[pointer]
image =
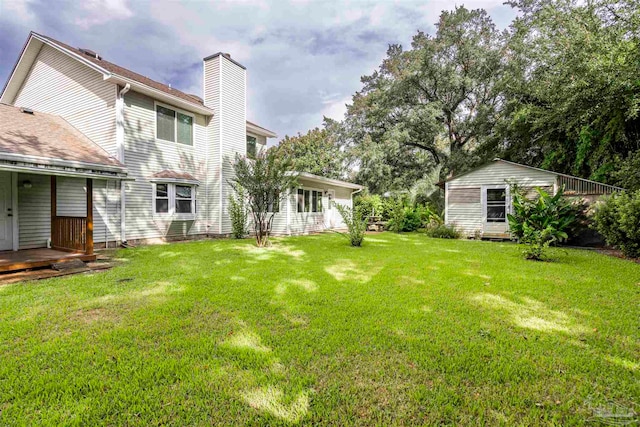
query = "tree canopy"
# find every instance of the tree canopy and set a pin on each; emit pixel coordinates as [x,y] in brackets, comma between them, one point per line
[558,89]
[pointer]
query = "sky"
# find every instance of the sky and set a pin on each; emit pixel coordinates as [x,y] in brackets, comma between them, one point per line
[304,58]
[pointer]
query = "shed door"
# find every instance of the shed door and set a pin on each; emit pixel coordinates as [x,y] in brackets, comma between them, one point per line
[6,214]
[495,206]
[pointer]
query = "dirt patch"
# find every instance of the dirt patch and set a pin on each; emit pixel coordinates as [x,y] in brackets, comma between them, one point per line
[93,315]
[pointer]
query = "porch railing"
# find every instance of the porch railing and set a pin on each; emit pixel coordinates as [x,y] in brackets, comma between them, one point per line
[69,233]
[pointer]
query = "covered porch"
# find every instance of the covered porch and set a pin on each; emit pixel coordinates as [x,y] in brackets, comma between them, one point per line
[47,174]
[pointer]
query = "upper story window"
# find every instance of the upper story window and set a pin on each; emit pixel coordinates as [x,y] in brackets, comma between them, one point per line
[174,126]
[252,148]
[309,200]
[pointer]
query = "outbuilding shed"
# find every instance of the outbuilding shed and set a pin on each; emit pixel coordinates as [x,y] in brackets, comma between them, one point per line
[477,202]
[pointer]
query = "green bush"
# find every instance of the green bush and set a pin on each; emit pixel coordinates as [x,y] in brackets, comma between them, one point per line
[370,205]
[239,214]
[617,218]
[540,222]
[356,224]
[442,231]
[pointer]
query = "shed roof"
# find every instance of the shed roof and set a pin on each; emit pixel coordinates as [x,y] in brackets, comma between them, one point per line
[558,174]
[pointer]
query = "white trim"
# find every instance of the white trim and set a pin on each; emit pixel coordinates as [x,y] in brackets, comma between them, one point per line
[61,172]
[175,121]
[446,203]
[14,210]
[288,217]
[335,182]
[178,181]
[258,130]
[320,190]
[171,201]
[12,157]
[15,69]
[220,143]
[158,94]
[483,199]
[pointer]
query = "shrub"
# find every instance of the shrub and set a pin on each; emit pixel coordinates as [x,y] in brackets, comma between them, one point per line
[396,216]
[442,231]
[356,224]
[370,205]
[617,218]
[238,213]
[540,222]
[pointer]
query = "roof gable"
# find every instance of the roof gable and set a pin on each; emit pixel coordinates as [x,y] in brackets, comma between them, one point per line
[110,71]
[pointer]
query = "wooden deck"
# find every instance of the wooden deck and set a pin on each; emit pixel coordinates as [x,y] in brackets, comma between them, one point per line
[37,258]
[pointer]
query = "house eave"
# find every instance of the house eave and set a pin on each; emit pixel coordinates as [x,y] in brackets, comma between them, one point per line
[40,169]
[159,95]
[335,182]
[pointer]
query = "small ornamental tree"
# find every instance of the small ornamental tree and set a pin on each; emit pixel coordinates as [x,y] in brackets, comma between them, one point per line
[538,223]
[356,224]
[239,213]
[266,180]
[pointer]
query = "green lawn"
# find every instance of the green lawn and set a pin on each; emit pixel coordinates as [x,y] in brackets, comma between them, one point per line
[405,330]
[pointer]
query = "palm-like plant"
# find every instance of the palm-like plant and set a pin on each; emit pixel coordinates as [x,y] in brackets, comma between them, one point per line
[541,222]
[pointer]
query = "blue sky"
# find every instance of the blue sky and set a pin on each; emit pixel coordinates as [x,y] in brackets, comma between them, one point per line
[304,59]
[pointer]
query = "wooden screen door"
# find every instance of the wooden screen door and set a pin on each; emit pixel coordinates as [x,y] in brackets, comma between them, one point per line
[6,212]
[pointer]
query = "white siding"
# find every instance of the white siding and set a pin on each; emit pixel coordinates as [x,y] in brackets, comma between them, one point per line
[234,128]
[144,156]
[58,84]
[34,211]
[106,211]
[212,99]
[467,216]
[71,196]
[309,222]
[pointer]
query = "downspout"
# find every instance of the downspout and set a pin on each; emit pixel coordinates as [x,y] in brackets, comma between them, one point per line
[354,192]
[120,156]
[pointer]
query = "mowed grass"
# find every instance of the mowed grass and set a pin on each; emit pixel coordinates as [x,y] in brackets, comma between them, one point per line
[405,330]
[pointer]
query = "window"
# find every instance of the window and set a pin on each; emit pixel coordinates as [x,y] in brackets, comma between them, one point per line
[178,199]
[184,199]
[309,200]
[274,203]
[251,146]
[174,126]
[162,198]
[300,200]
[496,205]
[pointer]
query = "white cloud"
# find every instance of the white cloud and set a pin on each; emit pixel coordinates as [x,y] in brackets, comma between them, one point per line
[98,12]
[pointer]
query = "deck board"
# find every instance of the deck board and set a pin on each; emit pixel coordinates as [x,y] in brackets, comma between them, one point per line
[36,258]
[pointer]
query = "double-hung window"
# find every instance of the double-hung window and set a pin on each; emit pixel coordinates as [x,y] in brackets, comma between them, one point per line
[175,199]
[496,204]
[309,200]
[252,148]
[173,125]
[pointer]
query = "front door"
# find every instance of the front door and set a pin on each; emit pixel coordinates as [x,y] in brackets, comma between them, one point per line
[495,206]
[6,213]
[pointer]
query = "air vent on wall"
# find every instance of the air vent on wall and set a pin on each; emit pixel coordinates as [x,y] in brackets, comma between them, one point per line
[26,110]
[90,53]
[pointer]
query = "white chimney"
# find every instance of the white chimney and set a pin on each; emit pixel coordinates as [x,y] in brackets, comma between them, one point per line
[225,93]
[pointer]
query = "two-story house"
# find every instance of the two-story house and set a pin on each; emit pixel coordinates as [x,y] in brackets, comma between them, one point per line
[92,153]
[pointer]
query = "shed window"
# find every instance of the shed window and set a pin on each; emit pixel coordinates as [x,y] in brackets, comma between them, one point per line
[496,205]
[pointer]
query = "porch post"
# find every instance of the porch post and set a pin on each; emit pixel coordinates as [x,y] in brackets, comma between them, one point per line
[54,197]
[89,246]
